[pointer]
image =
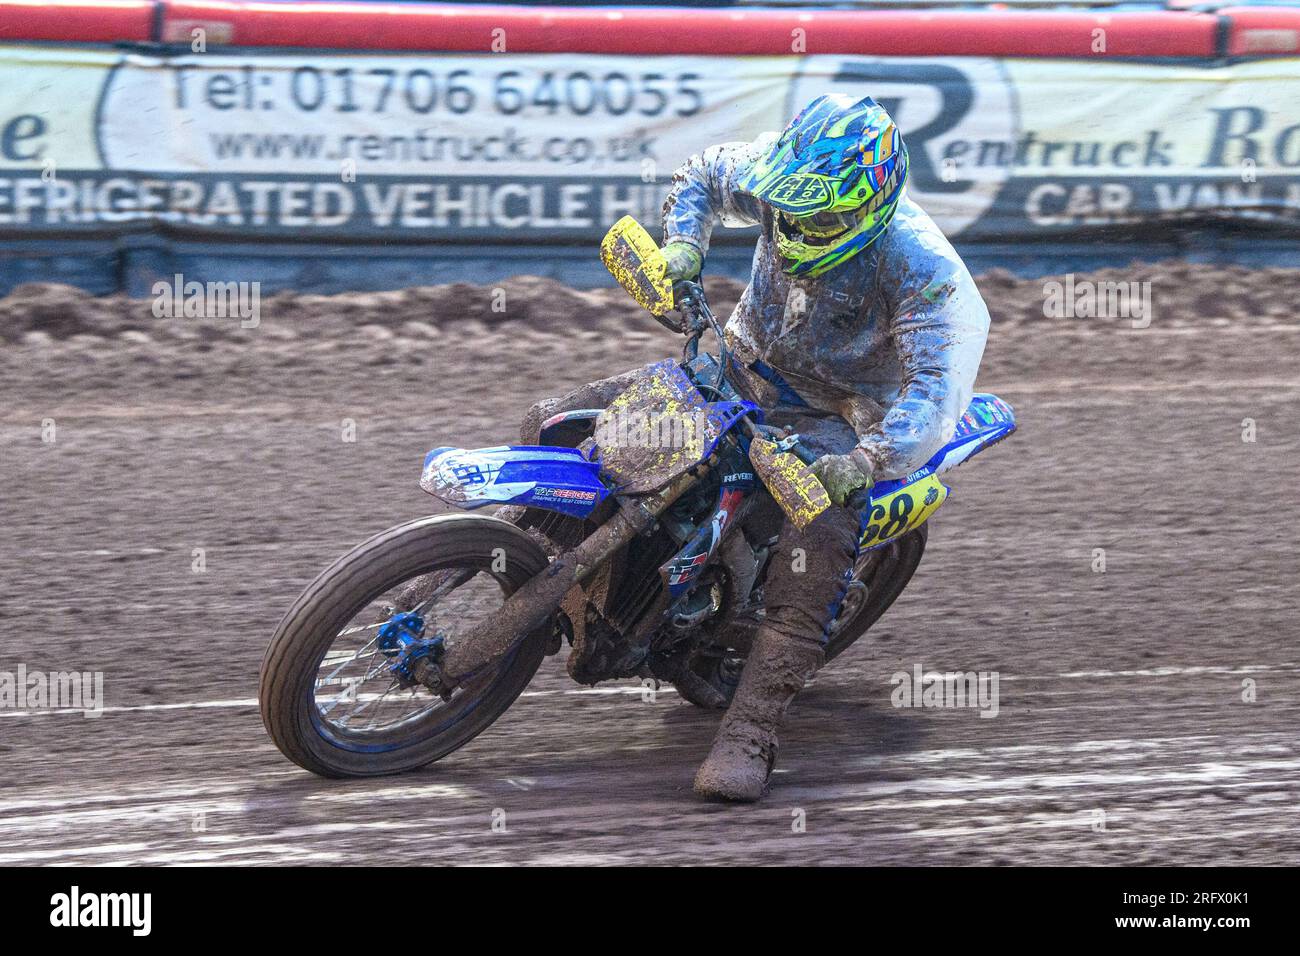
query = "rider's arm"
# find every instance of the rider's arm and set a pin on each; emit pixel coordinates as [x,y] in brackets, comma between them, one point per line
[703,191]
[940,324]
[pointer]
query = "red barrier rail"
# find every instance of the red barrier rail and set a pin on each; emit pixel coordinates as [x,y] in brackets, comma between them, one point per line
[1236,31]
[649,31]
[76,21]
[1263,31]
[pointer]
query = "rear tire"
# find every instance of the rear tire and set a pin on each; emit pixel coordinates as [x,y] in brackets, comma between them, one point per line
[885,582]
[291,665]
[893,568]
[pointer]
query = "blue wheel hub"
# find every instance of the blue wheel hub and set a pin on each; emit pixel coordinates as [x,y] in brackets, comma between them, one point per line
[402,638]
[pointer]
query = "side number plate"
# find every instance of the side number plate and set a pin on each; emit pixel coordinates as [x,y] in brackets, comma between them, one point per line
[893,515]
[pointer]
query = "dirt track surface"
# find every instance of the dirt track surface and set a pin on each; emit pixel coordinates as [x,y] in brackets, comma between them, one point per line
[1122,735]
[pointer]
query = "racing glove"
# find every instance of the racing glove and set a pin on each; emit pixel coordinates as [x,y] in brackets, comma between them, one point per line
[684,260]
[841,475]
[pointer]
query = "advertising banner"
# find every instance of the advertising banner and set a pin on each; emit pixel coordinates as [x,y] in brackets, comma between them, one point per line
[535,147]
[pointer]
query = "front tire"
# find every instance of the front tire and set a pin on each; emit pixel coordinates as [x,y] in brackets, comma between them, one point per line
[291,684]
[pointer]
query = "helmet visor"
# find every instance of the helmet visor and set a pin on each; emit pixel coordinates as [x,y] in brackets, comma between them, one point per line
[822,225]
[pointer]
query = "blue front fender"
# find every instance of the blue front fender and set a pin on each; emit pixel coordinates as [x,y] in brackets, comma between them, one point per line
[558,479]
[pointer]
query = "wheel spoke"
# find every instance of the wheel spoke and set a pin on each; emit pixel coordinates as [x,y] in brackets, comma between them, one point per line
[380,700]
[345,676]
[454,580]
[350,660]
[361,627]
[359,683]
[365,701]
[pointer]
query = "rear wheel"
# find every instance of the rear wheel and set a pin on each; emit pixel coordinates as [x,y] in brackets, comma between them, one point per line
[878,580]
[330,697]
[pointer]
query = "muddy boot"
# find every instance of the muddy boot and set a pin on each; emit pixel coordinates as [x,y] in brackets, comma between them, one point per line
[744,749]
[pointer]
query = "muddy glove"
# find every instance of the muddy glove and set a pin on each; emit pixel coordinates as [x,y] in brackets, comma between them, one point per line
[684,260]
[841,475]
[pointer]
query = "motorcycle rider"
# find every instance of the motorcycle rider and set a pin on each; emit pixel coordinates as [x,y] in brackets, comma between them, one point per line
[861,329]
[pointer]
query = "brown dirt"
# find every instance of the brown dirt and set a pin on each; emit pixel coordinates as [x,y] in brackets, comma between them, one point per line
[1122,734]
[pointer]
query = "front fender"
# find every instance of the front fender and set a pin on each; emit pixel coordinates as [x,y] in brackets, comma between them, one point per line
[541,476]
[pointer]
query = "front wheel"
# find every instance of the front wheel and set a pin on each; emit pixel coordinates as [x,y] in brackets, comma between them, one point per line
[334,696]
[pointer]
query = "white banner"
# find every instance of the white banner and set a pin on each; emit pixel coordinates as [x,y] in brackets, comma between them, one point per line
[456,147]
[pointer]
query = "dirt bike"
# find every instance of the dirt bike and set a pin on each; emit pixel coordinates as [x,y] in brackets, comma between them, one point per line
[639,534]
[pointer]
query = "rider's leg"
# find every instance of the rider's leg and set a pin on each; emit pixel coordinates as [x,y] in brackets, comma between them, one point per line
[806,581]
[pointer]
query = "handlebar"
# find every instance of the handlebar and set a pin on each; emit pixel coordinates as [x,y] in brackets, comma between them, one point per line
[689,300]
[857,500]
[801,451]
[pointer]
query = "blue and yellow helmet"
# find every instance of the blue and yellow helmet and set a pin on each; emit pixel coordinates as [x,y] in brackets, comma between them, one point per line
[834,177]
